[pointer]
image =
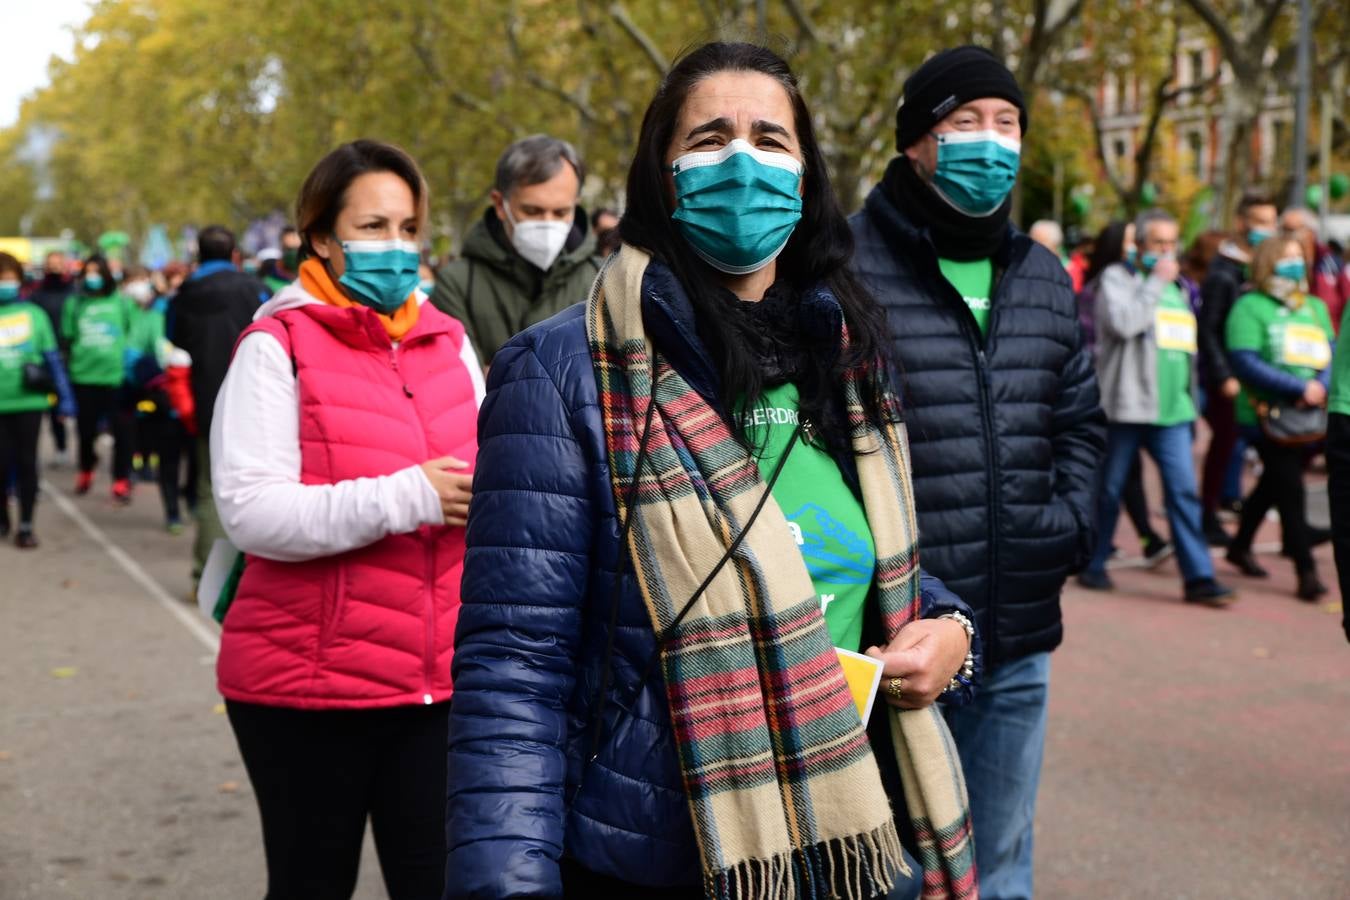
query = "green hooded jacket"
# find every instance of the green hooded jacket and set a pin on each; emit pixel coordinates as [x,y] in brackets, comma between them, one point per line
[496,293]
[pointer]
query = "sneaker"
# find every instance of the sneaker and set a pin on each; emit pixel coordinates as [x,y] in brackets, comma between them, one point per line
[1215,535]
[1095,581]
[173,527]
[83,482]
[1156,550]
[1208,592]
[121,491]
[1246,563]
[24,539]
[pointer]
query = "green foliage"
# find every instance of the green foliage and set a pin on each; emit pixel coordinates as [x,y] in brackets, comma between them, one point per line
[171,111]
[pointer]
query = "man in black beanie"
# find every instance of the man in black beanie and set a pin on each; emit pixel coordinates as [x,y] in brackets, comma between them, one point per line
[1003,415]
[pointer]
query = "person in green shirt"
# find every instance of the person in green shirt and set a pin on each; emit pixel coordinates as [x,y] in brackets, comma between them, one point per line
[97,326]
[1280,342]
[1338,469]
[1146,347]
[30,371]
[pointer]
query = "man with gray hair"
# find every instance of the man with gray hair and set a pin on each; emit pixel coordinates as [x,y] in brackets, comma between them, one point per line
[1146,348]
[531,255]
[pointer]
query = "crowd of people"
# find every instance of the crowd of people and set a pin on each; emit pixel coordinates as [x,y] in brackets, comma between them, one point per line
[552,555]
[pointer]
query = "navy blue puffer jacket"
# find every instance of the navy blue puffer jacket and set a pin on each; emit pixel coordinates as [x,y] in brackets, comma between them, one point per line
[543,544]
[1006,430]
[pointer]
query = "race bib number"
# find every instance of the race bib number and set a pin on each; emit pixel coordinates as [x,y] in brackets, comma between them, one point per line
[1175,330]
[1306,346]
[15,330]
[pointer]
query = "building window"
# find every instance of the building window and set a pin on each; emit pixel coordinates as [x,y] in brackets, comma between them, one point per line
[1122,98]
[1195,142]
[1120,150]
[1197,66]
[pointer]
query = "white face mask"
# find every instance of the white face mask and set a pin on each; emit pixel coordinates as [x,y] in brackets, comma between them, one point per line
[539,242]
[140,291]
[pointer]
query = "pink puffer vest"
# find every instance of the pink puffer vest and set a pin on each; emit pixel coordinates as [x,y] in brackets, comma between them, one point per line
[373,627]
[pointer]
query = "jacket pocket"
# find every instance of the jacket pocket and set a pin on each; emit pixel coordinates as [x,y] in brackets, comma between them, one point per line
[333,604]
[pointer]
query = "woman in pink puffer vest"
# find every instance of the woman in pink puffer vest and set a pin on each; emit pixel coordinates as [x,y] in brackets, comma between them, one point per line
[341,447]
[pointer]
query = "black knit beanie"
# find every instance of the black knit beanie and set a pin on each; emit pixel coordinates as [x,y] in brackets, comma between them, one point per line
[946,81]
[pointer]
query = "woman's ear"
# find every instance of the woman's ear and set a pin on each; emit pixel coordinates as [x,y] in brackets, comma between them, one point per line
[322,247]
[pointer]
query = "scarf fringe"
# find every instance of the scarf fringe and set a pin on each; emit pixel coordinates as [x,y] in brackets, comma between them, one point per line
[857,867]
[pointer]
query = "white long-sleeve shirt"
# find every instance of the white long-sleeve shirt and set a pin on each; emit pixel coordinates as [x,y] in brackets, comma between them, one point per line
[256,465]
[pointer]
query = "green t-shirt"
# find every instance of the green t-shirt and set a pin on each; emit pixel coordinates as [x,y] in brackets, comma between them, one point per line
[1340,373]
[98,329]
[1174,332]
[974,281]
[25,334]
[1293,341]
[827,520]
[147,332]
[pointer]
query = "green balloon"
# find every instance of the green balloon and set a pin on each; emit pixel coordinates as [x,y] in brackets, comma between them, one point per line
[1148,193]
[1340,185]
[1314,196]
[1082,205]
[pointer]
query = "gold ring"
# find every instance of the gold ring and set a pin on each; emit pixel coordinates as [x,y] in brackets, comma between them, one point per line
[895,687]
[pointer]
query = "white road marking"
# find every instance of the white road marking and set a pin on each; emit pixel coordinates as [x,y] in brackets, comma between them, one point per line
[209,635]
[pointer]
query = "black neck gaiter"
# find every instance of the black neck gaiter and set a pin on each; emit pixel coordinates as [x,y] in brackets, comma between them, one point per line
[955,235]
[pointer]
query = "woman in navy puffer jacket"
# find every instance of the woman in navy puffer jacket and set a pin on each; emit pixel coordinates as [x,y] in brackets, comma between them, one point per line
[541,803]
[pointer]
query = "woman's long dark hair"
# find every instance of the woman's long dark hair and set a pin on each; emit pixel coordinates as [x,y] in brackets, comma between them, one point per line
[108,284]
[1109,248]
[817,254]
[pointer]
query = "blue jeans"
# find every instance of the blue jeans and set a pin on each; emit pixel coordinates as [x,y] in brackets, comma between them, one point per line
[1170,448]
[1001,739]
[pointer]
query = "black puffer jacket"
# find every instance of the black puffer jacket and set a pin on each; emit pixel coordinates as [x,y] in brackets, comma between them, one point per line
[1006,431]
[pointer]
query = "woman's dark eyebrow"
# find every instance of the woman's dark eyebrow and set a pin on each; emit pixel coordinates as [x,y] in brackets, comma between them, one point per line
[722,123]
[763,126]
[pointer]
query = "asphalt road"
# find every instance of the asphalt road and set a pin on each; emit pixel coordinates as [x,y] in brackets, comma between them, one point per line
[1192,753]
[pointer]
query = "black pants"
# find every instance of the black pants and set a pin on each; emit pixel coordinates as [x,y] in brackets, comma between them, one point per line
[318,774]
[580,883]
[97,404]
[166,437]
[1281,486]
[19,454]
[58,431]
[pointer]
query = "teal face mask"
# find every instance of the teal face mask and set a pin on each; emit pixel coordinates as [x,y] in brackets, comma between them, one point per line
[426,287]
[976,170]
[1132,255]
[93,282]
[9,291]
[1257,235]
[1149,261]
[738,206]
[380,274]
[1293,269]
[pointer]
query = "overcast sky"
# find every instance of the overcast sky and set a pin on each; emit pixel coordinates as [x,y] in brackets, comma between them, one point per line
[33,31]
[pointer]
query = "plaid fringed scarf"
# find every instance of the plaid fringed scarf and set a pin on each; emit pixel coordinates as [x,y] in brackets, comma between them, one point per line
[786,797]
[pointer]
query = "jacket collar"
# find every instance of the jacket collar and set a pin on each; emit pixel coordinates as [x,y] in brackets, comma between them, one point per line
[359,327]
[907,237]
[207,269]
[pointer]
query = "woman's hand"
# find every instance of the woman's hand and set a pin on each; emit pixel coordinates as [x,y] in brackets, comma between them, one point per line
[1314,394]
[455,488]
[926,653]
